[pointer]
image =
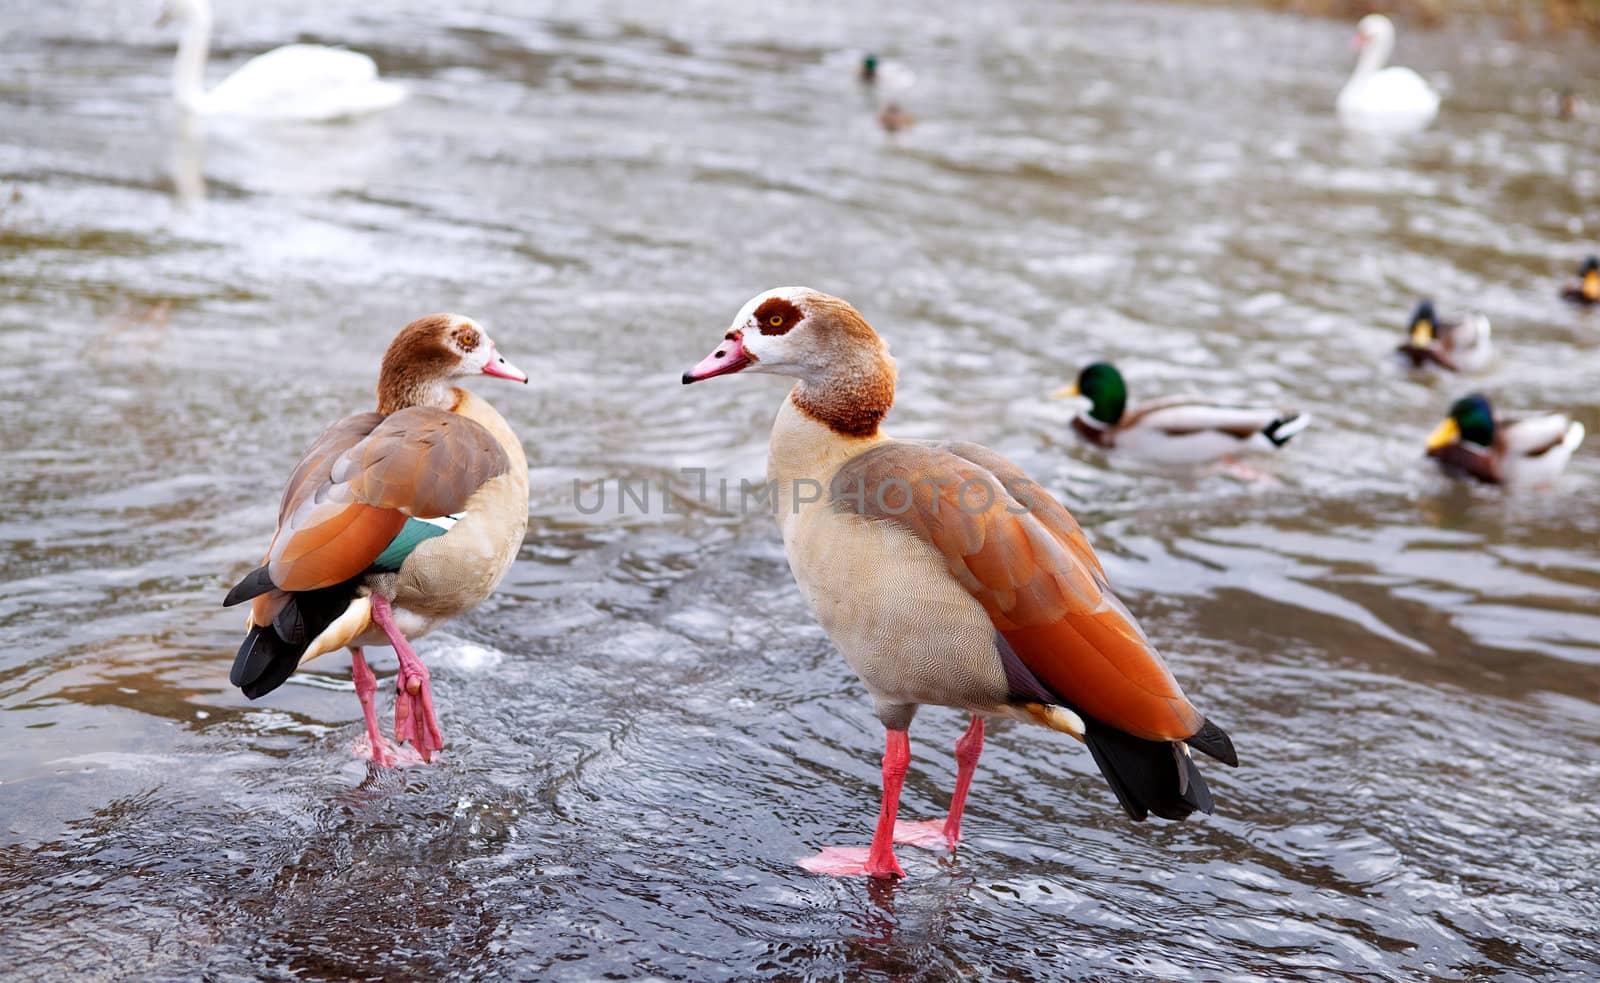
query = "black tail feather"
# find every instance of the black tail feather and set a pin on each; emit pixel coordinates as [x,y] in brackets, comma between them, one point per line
[254,584]
[1147,776]
[271,653]
[264,662]
[1283,429]
[1213,740]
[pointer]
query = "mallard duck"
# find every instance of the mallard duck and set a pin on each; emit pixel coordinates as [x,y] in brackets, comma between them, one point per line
[869,69]
[947,577]
[394,522]
[1459,344]
[1392,99]
[888,76]
[1528,450]
[1585,289]
[1176,430]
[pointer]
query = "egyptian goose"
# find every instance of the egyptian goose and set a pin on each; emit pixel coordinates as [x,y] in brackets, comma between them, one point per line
[1458,344]
[1585,289]
[947,577]
[1528,450]
[295,81]
[1376,98]
[394,522]
[1174,430]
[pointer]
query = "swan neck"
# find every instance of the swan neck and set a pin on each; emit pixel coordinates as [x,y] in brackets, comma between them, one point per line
[1374,55]
[188,72]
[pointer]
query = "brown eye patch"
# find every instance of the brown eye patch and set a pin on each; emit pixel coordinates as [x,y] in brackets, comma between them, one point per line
[776,316]
[467,339]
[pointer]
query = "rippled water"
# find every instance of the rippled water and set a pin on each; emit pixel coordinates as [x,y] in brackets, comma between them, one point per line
[645,726]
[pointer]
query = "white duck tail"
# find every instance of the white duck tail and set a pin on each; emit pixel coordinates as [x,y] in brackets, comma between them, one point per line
[1530,465]
[1280,431]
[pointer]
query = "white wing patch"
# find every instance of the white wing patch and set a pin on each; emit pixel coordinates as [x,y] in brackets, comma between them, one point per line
[445,522]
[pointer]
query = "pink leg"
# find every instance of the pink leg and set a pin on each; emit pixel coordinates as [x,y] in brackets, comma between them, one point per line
[366,688]
[414,720]
[1245,472]
[878,859]
[936,835]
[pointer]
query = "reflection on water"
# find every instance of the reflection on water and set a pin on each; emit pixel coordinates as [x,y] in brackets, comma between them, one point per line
[647,727]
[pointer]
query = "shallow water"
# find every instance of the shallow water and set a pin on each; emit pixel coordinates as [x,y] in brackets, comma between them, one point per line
[645,726]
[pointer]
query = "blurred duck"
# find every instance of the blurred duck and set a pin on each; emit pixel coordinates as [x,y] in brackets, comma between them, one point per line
[894,118]
[1569,105]
[1459,344]
[1391,99]
[947,577]
[886,75]
[296,81]
[1176,430]
[1585,289]
[394,522]
[1530,450]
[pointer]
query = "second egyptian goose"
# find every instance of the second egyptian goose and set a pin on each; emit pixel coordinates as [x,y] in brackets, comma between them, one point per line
[1176,429]
[947,577]
[394,522]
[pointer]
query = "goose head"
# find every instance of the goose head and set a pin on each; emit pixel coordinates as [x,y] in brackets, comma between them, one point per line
[797,332]
[432,351]
[844,371]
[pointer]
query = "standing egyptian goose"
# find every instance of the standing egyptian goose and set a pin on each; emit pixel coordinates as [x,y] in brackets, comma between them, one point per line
[1521,451]
[1457,344]
[394,522]
[947,577]
[1176,429]
[1585,289]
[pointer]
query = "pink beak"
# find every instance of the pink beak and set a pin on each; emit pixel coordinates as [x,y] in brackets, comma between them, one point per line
[1358,42]
[498,367]
[729,357]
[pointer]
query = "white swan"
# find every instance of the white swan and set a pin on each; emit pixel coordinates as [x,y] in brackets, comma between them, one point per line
[296,81]
[1377,98]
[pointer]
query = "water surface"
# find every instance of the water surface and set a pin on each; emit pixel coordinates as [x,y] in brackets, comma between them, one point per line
[645,726]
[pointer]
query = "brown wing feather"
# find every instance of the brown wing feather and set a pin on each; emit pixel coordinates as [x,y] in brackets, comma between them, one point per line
[425,462]
[1021,555]
[313,467]
[1143,410]
[353,491]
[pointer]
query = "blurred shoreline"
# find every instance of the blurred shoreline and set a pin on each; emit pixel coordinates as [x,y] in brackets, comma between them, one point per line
[1519,18]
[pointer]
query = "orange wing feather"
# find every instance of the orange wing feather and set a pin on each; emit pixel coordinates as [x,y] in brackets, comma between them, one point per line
[1021,555]
[353,491]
